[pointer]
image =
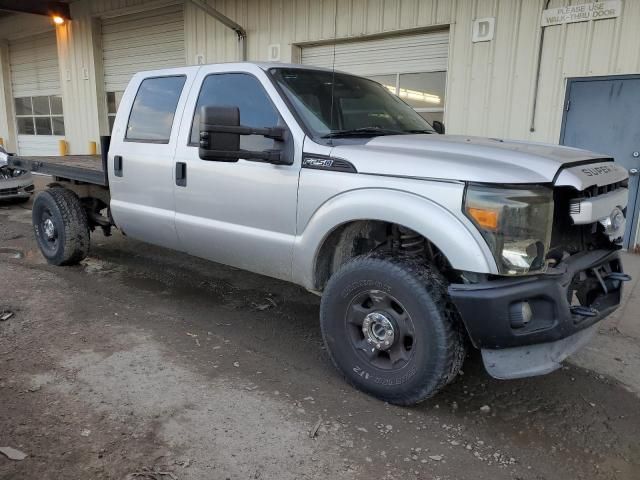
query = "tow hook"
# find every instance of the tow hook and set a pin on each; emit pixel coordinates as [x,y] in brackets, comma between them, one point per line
[615,276]
[584,311]
[619,276]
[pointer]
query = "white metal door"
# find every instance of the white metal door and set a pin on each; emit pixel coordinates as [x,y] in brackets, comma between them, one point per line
[148,40]
[412,66]
[35,83]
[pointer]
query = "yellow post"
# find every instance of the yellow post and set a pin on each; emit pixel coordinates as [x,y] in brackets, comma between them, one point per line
[63,147]
[93,148]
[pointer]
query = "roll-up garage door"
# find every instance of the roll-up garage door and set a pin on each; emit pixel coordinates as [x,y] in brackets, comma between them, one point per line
[35,83]
[147,40]
[413,66]
[142,41]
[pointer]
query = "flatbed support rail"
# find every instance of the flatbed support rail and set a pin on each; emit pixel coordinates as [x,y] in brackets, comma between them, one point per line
[82,168]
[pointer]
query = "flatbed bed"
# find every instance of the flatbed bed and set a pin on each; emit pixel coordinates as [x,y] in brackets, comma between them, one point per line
[80,168]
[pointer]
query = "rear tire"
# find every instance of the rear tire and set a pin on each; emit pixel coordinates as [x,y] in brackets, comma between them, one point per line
[60,226]
[391,329]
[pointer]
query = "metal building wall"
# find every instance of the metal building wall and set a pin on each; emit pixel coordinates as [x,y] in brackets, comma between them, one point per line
[490,89]
[287,22]
[12,29]
[490,84]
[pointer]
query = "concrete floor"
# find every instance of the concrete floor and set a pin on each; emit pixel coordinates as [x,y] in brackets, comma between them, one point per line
[615,351]
[142,362]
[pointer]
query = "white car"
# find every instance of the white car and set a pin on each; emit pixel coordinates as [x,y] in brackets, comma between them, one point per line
[15,184]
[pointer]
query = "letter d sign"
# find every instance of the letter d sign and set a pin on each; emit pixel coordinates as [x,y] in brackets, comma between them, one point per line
[483,29]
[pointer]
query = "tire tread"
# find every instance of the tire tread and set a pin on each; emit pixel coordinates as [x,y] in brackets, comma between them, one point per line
[453,346]
[76,226]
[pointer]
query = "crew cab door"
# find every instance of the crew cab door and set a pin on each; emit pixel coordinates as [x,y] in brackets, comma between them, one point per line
[240,213]
[140,163]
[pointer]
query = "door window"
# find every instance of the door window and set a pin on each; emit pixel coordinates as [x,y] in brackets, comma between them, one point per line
[153,109]
[245,92]
[40,115]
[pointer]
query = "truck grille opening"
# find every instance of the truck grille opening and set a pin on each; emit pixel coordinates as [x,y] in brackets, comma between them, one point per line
[568,238]
[8,191]
[596,190]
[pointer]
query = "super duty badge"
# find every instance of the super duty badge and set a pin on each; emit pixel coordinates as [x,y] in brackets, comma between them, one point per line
[592,172]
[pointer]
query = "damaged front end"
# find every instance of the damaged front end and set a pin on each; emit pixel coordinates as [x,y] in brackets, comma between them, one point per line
[526,325]
[14,183]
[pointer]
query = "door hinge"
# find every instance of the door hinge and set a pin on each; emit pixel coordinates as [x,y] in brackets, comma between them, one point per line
[567,106]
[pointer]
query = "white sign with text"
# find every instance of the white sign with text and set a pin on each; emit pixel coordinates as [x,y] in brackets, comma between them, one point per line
[582,13]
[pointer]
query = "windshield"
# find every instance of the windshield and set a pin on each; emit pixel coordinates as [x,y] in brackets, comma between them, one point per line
[360,107]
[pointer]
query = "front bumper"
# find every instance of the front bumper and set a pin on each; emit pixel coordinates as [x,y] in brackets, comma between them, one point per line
[491,311]
[532,360]
[17,187]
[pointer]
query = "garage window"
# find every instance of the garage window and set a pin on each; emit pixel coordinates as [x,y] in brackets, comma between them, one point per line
[423,91]
[113,102]
[40,115]
[412,65]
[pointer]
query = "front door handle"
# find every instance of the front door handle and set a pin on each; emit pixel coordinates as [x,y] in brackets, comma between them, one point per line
[117,165]
[181,174]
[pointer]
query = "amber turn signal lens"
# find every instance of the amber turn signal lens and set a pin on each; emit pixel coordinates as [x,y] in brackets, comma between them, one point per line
[485,218]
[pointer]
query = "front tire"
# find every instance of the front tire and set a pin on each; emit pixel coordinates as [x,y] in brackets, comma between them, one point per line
[60,226]
[390,328]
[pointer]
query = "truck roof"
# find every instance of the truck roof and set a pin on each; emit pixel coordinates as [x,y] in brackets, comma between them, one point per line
[230,65]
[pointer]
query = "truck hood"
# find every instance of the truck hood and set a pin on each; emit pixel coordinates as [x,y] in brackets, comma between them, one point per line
[456,157]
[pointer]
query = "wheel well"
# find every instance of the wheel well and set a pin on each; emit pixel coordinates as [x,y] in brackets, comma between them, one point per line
[363,236]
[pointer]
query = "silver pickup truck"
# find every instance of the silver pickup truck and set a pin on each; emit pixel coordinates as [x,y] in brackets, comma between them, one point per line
[420,244]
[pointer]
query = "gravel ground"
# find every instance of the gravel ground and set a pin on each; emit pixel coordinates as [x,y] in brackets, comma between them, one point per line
[146,363]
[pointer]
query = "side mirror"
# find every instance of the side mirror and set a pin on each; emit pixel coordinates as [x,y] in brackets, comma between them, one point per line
[220,132]
[438,127]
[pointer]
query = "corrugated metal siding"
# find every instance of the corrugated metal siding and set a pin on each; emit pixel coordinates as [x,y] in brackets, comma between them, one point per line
[80,61]
[119,7]
[142,41]
[424,52]
[34,65]
[490,90]
[38,144]
[288,22]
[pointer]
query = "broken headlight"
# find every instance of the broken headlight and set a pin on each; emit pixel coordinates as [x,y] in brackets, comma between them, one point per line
[515,222]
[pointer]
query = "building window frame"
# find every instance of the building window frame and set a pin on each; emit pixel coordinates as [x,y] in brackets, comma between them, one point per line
[397,90]
[113,102]
[55,115]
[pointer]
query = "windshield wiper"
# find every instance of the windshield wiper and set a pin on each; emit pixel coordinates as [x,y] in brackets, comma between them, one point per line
[363,132]
[420,131]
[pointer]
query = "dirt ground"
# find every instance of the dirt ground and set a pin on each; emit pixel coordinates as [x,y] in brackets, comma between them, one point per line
[146,363]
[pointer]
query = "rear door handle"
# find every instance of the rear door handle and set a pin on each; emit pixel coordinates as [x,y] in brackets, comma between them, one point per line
[117,165]
[181,174]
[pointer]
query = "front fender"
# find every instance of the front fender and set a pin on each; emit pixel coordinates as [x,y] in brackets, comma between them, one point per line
[458,240]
